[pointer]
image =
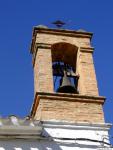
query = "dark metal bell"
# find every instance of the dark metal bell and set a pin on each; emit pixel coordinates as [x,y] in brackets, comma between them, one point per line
[66,86]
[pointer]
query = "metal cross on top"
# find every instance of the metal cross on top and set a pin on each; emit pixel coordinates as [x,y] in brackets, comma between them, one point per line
[59,23]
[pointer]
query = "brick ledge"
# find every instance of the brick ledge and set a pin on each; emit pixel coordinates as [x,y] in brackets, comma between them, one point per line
[65,97]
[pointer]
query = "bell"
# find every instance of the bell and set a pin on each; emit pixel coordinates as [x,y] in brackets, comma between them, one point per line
[65,85]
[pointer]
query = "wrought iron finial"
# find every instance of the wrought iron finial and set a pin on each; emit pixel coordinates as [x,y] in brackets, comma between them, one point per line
[59,23]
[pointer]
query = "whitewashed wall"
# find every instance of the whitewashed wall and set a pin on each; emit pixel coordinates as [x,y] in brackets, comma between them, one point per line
[56,136]
[45,145]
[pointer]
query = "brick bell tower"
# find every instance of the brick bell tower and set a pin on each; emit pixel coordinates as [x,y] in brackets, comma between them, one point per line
[66,98]
[51,48]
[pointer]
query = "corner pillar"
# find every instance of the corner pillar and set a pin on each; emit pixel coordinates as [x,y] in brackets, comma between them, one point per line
[43,79]
[87,80]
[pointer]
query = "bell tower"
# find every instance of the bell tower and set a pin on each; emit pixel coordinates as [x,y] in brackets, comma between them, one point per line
[65,85]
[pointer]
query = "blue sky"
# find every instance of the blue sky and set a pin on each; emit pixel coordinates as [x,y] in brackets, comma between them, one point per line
[17,19]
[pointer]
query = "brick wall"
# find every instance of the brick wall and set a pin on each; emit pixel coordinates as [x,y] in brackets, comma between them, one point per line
[67,108]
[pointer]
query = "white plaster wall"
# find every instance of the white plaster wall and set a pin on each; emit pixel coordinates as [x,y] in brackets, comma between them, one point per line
[73,131]
[52,138]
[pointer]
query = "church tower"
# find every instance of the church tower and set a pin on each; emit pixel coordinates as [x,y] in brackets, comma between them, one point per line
[66,97]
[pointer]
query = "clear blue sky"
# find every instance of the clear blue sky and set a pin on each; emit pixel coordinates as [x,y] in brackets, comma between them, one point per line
[17,18]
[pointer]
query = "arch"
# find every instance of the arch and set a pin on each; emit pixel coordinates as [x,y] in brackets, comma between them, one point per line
[65,52]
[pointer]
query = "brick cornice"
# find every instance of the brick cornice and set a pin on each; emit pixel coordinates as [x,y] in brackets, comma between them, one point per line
[87,49]
[43,45]
[70,33]
[65,97]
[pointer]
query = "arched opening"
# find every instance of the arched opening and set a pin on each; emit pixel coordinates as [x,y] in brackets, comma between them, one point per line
[64,57]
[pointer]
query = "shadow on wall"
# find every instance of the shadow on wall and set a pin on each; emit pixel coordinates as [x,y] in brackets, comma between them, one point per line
[29,145]
[48,143]
[42,145]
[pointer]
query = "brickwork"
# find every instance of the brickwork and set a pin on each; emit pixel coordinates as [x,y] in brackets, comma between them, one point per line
[74,109]
[52,39]
[84,107]
[88,82]
[85,66]
[43,71]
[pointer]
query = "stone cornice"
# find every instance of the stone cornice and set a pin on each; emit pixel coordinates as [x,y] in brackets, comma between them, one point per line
[77,125]
[13,127]
[70,33]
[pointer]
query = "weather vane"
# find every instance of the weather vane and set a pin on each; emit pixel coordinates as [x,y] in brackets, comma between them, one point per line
[59,23]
